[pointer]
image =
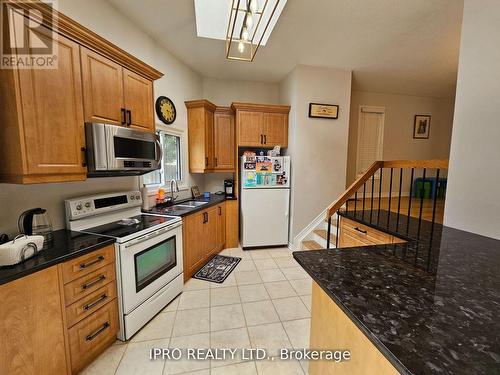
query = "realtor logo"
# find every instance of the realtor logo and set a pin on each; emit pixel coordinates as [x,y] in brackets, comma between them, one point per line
[25,42]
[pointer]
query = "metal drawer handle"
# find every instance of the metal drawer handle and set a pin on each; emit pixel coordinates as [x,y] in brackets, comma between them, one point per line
[100,258]
[96,302]
[99,331]
[93,282]
[360,230]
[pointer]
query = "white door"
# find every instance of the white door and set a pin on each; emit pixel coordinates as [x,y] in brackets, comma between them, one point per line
[264,217]
[370,137]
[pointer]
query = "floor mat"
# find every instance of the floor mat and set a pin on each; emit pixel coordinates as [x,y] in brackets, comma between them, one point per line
[217,269]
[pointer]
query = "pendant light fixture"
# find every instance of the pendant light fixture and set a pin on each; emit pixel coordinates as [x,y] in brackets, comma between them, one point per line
[246,27]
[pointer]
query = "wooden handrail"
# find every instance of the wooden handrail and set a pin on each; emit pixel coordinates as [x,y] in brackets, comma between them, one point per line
[356,185]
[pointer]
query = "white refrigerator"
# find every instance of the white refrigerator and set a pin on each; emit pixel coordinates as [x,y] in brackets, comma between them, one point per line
[265,200]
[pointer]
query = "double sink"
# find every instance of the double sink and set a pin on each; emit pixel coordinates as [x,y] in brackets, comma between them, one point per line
[181,208]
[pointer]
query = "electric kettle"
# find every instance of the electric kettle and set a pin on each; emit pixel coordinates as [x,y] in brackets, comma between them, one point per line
[36,222]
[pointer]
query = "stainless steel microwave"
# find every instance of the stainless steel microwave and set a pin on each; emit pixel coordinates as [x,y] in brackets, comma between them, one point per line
[117,151]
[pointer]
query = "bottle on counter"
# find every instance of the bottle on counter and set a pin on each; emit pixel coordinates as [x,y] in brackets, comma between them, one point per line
[145,197]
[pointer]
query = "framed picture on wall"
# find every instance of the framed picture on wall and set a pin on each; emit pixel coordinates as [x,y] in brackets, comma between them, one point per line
[421,126]
[329,111]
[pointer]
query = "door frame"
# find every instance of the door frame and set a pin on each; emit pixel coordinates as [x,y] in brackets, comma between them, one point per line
[370,109]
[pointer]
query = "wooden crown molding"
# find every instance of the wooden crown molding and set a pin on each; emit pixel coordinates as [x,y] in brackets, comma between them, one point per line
[73,30]
[224,110]
[273,108]
[200,103]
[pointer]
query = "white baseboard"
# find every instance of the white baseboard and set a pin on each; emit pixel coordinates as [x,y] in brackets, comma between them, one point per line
[304,233]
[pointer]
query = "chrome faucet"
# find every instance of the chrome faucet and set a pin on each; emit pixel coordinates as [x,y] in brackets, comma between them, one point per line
[173,183]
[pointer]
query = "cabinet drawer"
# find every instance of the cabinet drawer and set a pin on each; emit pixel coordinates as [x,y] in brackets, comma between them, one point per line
[88,284]
[92,335]
[87,263]
[365,232]
[90,303]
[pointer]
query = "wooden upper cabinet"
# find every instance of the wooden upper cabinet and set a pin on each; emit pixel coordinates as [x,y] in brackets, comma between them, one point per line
[210,137]
[275,129]
[250,128]
[261,125]
[103,89]
[224,139]
[138,100]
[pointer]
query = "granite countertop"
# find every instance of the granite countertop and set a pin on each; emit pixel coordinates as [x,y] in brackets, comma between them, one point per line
[66,245]
[167,210]
[430,305]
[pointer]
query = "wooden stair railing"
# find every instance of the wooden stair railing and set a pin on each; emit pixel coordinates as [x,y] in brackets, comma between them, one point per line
[377,166]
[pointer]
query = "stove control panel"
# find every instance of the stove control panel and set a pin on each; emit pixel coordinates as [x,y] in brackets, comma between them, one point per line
[96,204]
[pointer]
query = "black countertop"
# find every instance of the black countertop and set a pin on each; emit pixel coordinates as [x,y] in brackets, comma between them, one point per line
[431,305]
[167,209]
[66,245]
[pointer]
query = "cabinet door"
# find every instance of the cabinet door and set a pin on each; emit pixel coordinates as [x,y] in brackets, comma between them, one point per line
[31,325]
[249,128]
[224,141]
[102,89]
[53,113]
[221,226]
[193,245]
[209,140]
[138,99]
[275,129]
[210,232]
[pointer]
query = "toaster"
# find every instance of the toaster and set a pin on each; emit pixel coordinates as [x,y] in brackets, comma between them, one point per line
[19,249]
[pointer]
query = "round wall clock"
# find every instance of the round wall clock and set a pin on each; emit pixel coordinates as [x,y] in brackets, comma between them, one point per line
[165,109]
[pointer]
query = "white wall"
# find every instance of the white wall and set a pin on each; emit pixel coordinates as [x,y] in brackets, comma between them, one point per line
[398,128]
[474,174]
[180,83]
[318,146]
[223,92]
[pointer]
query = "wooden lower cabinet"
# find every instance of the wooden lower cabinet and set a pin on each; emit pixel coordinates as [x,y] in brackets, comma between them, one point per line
[332,329]
[354,234]
[232,228]
[204,235]
[32,332]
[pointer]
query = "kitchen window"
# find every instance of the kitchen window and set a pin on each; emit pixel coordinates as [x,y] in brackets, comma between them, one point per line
[171,166]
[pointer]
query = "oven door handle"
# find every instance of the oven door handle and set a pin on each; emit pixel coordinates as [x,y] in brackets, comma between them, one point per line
[159,152]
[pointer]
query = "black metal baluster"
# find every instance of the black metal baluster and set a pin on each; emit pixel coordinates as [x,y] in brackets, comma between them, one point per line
[433,220]
[371,200]
[390,197]
[399,197]
[379,195]
[347,205]
[328,230]
[421,204]
[356,203]
[364,197]
[337,234]
[409,201]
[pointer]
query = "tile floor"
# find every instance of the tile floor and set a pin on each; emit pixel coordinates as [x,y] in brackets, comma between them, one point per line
[264,303]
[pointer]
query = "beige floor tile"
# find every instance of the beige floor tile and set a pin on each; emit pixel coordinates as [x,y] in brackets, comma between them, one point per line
[136,360]
[245,265]
[303,287]
[224,296]
[271,337]
[247,277]
[251,293]
[260,312]
[259,254]
[286,262]
[280,289]
[298,332]
[295,273]
[226,317]
[172,306]
[243,254]
[271,275]
[196,284]
[199,372]
[184,364]
[291,308]
[265,264]
[190,322]
[107,362]
[280,252]
[307,301]
[305,366]
[230,281]
[278,367]
[231,338]
[245,368]
[194,299]
[160,327]
[226,252]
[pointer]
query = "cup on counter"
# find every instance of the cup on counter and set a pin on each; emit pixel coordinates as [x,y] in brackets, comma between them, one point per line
[206,195]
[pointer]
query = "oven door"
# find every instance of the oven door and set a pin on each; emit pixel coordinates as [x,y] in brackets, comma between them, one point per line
[148,263]
[132,150]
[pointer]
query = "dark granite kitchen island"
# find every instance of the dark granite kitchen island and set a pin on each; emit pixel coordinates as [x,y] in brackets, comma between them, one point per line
[430,307]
